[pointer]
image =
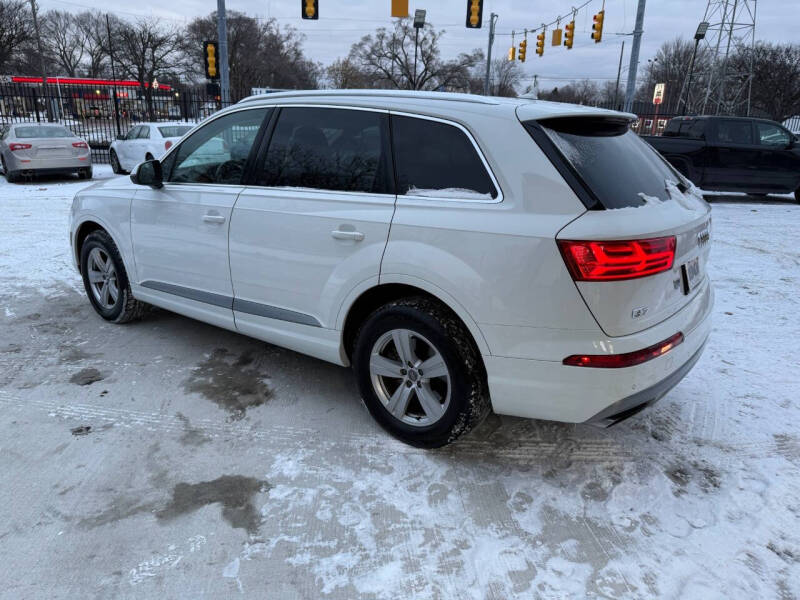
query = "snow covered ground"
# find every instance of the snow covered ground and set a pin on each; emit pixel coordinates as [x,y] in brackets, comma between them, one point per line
[217,466]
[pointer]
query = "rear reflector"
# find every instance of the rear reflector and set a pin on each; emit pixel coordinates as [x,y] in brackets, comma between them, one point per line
[14,146]
[80,145]
[617,361]
[616,260]
[167,145]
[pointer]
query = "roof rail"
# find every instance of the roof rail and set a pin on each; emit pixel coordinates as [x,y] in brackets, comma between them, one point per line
[408,94]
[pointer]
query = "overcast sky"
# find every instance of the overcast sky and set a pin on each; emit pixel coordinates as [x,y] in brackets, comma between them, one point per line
[343,22]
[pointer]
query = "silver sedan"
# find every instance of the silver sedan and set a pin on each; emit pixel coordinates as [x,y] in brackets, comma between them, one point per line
[28,149]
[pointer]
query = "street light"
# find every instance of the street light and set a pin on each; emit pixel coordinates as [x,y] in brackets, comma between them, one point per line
[419,23]
[700,34]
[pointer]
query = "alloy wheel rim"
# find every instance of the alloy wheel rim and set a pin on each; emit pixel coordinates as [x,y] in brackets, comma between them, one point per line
[410,377]
[102,278]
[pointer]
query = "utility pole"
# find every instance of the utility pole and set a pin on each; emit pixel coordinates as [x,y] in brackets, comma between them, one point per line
[113,75]
[492,20]
[619,73]
[224,75]
[630,90]
[41,62]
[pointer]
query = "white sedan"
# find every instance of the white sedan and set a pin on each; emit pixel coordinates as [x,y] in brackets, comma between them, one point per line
[145,141]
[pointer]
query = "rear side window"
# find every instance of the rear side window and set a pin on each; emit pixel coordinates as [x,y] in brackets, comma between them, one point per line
[734,132]
[619,167]
[772,135]
[172,131]
[328,149]
[434,159]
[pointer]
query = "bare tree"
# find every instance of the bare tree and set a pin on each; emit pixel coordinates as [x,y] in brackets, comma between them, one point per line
[776,78]
[148,50]
[92,25]
[387,59]
[64,41]
[671,66]
[506,77]
[583,91]
[16,31]
[343,74]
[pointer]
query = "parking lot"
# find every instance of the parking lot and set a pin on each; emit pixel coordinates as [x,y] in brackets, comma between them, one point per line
[168,458]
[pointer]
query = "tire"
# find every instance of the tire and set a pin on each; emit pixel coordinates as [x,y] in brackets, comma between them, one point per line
[115,164]
[85,173]
[11,176]
[125,307]
[427,332]
[797,195]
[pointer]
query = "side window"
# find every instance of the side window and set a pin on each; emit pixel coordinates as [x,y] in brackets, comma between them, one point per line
[218,151]
[734,132]
[438,160]
[132,133]
[144,132]
[772,135]
[328,149]
[698,130]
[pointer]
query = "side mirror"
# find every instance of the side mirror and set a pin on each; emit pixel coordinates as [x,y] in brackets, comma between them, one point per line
[149,173]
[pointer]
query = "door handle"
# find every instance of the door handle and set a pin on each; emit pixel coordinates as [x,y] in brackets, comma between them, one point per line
[213,218]
[338,234]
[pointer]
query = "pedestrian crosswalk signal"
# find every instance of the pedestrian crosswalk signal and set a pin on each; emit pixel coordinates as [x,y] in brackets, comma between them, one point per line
[310,9]
[512,52]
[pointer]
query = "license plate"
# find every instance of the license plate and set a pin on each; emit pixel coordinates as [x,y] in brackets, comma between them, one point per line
[691,274]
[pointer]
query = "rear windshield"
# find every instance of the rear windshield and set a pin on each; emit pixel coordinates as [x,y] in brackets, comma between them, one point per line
[621,169]
[174,130]
[39,131]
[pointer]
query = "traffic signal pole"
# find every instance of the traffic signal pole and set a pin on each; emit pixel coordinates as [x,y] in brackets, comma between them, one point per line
[222,34]
[492,20]
[630,90]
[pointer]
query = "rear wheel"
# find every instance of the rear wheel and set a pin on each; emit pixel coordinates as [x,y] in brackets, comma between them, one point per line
[797,195]
[106,281]
[11,176]
[115,165]
[419,373]
[85,173]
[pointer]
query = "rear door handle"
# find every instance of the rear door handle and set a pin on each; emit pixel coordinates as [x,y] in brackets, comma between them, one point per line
[209,218]
[338,234]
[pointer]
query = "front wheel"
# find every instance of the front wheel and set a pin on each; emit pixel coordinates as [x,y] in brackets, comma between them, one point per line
[419,373]
[106,281]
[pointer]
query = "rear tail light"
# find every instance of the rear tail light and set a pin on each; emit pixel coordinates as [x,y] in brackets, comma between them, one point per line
[167,145]
[617,361]
[83,145]
[621,259]
[15,146]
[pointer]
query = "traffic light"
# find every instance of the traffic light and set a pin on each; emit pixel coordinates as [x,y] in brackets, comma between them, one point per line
[569,34]
[597,26]
[512,52]
[210,56]
[400,8]
[310,9]
[556,37]
[474,14]
[523,49]
[540,44]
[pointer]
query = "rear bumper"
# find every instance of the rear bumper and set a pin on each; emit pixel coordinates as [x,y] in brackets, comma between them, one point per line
[542,389]
[52,165]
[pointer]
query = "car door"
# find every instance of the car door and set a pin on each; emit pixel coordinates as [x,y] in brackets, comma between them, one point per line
[180,231]
[732,162]
[778,159]
[313,225]
[126,146]
[142,144]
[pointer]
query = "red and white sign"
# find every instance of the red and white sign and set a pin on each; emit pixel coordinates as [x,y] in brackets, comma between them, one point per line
[658,94]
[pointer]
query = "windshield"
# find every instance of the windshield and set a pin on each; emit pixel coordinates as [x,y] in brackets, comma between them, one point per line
[620,168]
[171,131]
[40,131]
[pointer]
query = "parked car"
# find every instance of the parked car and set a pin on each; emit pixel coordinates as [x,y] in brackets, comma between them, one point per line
[532,257]
[733,154]
[28,149]
[144,141]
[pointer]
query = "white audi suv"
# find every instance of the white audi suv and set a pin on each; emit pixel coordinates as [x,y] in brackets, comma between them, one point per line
[461,253]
